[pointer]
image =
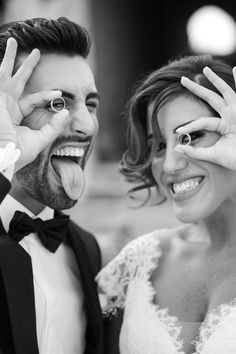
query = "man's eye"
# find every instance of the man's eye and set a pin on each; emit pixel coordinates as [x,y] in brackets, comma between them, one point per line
[57,105]
[92,105]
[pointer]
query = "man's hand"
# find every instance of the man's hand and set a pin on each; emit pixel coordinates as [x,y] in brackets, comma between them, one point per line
[14,107]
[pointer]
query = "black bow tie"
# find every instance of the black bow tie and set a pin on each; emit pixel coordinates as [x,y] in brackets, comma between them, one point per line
[51,232]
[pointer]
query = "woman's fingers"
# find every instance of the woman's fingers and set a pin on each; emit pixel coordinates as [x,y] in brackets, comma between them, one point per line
[226,91]
[201,153]
[24,72]
[234,74]
[212,98]
[31,101]
[8,61]
[206,123]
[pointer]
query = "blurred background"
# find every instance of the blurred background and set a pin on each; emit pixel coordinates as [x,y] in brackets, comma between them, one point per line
[130,39]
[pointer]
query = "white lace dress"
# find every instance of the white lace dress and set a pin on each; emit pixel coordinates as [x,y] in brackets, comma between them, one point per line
[148,329]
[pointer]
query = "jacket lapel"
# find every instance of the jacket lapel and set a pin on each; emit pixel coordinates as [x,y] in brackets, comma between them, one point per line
[92,306]
[16,271]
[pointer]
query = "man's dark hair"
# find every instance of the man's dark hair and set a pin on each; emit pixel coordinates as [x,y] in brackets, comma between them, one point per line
[60,36]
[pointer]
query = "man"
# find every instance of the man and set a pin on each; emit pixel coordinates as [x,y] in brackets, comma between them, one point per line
[48,298]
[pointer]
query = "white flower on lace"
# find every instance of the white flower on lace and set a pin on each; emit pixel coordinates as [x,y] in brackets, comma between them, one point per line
[109,306]
[8,155]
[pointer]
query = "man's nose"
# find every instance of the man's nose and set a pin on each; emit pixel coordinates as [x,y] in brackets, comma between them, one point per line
[83,121]
[174,161]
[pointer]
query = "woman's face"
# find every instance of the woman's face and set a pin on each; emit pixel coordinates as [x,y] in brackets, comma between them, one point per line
[195,188]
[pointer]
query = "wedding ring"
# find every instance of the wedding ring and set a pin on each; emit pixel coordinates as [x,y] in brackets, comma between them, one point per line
[184,139]
[58,104]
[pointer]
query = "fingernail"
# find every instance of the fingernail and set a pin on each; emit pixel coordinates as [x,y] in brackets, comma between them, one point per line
[206,69]
[179,130]
[57,92]
[184,78]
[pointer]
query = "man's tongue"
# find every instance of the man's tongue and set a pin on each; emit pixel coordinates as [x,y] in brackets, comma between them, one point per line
[72,176]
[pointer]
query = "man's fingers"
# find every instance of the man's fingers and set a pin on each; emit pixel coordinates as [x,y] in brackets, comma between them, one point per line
[206,123]
[8,61]
[29,102]
[212,98]
[24,72]
[55,127]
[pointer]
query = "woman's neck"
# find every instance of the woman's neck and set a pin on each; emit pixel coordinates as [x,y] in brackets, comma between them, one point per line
[221,225]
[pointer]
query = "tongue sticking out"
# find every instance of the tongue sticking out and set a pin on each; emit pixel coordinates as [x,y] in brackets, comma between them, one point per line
[72,176]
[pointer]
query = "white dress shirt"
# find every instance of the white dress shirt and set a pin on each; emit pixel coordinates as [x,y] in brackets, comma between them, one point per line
[60,316]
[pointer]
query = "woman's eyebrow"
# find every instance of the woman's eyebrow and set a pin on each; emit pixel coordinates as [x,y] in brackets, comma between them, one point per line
[182,125]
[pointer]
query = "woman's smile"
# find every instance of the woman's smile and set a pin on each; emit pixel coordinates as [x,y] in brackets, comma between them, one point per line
[187,188]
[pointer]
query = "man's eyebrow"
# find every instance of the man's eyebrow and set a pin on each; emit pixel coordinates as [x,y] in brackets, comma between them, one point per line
[71,96]
[68,95]
[182,125]
[93,95]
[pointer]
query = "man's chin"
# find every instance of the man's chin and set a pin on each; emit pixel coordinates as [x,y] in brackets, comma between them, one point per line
[59,200]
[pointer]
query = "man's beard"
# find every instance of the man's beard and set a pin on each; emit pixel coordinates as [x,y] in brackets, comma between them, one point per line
[34,180]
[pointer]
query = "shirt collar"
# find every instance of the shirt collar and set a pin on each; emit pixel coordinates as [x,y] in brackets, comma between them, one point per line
[10,205]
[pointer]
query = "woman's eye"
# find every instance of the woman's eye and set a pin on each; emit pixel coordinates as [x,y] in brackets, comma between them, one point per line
[189,138]
[196,135]
[160,148]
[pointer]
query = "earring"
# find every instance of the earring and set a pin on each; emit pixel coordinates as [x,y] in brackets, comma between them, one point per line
[184,139]
[58,104]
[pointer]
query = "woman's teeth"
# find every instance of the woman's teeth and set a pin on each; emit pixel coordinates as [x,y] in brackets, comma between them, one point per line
[186,186]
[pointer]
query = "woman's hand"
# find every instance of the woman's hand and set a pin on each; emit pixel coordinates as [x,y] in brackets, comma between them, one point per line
[14,107]
[223,152]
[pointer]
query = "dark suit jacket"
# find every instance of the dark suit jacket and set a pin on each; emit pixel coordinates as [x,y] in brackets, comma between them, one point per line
[17,307]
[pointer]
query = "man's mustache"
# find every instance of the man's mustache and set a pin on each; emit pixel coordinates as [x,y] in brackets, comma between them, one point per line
[70,139]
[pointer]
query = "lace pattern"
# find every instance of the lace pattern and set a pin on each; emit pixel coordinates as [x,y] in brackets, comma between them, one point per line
[209,325]
[147,328]
[173,327]
[136,261]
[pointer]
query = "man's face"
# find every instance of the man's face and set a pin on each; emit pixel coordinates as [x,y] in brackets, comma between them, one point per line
[56,177]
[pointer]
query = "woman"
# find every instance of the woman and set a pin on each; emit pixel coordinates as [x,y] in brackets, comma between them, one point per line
[178,286]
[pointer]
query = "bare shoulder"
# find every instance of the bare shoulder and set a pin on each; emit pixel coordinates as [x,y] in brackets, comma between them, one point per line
[178,240]
[159,243]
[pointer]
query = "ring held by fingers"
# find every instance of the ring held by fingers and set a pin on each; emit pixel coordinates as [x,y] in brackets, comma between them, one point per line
[184,139]
[58,104]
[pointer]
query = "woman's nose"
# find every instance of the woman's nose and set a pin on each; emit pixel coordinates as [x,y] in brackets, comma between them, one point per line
[174,161]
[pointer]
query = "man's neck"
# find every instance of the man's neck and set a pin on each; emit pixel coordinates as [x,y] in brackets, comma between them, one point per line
[30,203]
